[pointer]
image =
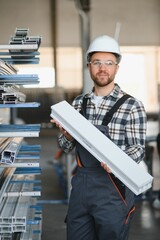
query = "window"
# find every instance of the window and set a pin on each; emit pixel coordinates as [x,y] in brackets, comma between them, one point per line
[139,72]
[138,75]
[44,70]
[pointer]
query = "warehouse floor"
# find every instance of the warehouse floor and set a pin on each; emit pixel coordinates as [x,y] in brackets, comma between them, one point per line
[146,220]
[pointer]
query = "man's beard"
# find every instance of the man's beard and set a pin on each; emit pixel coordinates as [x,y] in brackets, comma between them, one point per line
[103,81]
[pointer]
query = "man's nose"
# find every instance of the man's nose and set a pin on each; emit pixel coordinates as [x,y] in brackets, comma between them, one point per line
[103,65]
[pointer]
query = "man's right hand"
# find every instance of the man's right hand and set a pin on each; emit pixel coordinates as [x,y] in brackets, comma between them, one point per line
[62,130]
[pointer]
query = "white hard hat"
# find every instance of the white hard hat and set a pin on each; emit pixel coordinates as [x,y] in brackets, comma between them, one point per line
[104,43]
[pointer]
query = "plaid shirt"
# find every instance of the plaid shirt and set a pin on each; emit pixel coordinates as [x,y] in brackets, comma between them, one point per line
[127,128]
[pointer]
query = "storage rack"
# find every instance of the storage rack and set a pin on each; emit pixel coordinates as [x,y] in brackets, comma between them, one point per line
[20,214]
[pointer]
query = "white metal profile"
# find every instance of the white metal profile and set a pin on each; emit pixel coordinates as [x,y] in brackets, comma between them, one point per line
[101,147]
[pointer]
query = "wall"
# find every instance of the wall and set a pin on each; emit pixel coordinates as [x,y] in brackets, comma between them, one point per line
[139,20]
[32,14]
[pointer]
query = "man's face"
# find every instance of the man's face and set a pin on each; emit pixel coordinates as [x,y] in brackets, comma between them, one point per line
[103,68]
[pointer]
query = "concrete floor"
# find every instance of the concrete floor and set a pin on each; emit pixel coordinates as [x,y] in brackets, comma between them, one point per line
[146,223]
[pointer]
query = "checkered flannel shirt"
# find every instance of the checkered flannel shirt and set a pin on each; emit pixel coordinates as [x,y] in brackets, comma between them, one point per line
[127,128]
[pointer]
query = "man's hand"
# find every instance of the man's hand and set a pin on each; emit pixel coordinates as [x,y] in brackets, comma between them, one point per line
[62,130]
[106,167]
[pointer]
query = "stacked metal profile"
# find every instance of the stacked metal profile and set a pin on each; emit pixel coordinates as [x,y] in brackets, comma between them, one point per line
[21,49]
[20,215]
[18,206]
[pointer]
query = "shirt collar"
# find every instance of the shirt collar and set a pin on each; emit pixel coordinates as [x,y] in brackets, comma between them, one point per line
[115,92]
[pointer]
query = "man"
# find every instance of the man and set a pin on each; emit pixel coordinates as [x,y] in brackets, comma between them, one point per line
[100,206]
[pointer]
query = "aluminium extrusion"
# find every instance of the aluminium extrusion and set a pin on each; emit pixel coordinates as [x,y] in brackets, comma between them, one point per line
[17,209]
[21,130]
[21,165]
[20,127]
[19,82]
[33,232]
[12,228]
[15,97]
[20,105]
[6,174]
[26,181]
[34,224]
[124,168]
[16,54]
[14,209]
[25,77]
[8,156]
[19,134]
[7,236]
[28,171]
[19,79]
[23,194]
[2,140]
[32,148]
[27,156]
[8,89]
[19,47]
[4,143]
[6,68]
[21,60]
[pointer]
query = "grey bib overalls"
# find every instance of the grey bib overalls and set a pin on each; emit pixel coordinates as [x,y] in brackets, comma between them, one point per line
[100,206]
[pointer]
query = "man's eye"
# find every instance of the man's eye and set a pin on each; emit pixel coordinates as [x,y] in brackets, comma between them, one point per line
[96,63]
[110,63]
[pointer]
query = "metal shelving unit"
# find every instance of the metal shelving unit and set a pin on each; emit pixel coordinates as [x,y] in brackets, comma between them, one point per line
[20,214]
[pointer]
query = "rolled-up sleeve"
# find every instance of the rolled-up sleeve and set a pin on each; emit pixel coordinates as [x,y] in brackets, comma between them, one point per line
[136,133]
[67,146]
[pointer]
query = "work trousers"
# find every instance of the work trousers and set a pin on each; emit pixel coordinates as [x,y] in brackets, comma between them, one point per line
[97,209]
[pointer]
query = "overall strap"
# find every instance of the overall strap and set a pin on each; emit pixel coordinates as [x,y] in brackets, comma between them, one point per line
[107,118]
[83,106]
